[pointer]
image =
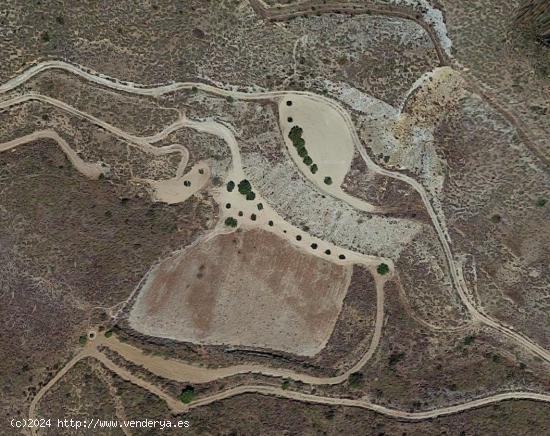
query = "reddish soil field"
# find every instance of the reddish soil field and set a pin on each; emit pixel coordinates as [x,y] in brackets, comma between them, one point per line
[248,288]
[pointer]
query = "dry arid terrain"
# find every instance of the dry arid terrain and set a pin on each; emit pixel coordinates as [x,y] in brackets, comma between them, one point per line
[225,290]
[272,217]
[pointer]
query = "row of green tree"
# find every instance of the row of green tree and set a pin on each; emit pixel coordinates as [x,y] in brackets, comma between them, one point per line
[299,143]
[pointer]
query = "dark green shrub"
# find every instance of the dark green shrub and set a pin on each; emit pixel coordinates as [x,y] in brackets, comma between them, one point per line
[231,222]
[250,196]
[313,168]
[230,185]
[395,358]
[295,133]
[187,395]
[469,340]
[302,152]
[299,143]
[383,269]
[356,380]
[307,160]
[244,187]
[328,180]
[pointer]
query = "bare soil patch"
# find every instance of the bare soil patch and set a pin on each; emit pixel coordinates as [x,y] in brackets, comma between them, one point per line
[247,288]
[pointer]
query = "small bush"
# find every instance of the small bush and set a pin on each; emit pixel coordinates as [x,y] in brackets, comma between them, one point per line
[313,168]
[395,358]
[285,385]
[299,143]
[295,133]
[260,206]
[328,181]
[244,187]
[250,196]
[108,333]
[82,340]
[383,269]
[217,181]
[469,340]
[187,395]
[356,380]
[231,222]
[302,152]
[230,185]
[307,160]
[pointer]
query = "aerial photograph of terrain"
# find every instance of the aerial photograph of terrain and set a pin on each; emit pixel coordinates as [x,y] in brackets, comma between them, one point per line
[275,217]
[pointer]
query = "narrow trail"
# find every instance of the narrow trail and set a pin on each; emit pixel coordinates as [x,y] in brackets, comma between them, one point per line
[90,170]
[365,404]
[308,8]
[226,134]
[177,407]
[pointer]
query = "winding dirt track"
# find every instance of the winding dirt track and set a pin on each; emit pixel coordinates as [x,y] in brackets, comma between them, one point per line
[178,407]
[308,8]
[92,171]
[226,134]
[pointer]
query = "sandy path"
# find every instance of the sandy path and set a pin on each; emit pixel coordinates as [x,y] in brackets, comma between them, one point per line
[173,190]
[142,143]
[90,170]
[365,404]
[178,407]
[285,12]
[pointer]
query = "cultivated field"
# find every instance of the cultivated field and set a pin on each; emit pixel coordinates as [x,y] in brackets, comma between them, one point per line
[245,288]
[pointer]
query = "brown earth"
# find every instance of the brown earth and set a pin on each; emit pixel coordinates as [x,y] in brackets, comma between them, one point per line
[349,340]
[69,245]
[245,288]
[398,198]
